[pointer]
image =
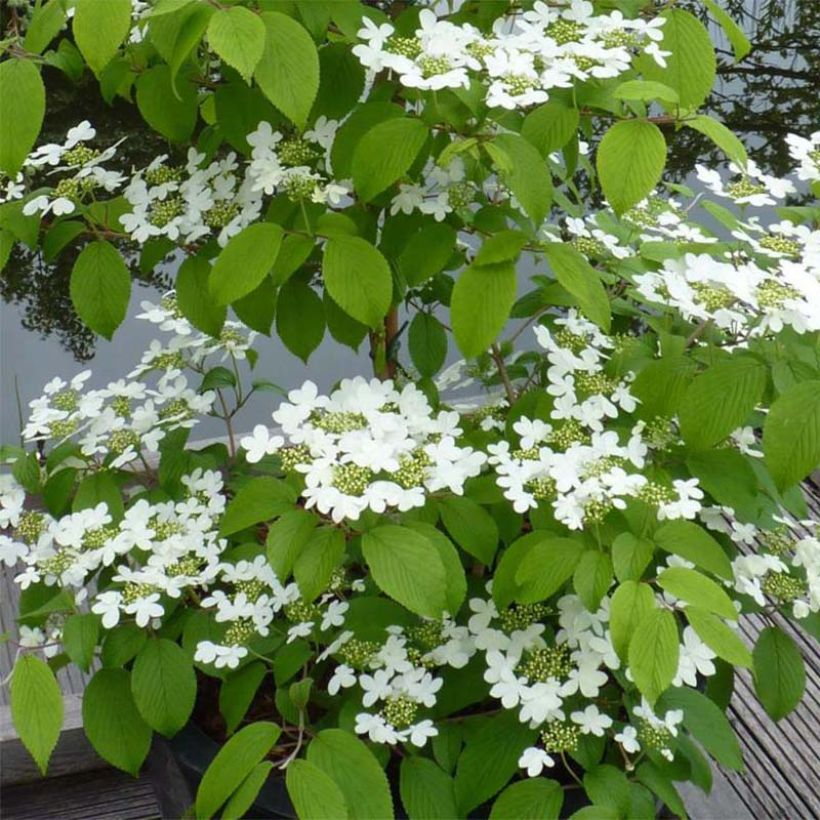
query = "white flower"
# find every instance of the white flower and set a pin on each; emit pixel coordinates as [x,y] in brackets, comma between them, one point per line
[260,443]
[343,677]
[592,721]
[334,615]
[420,732]
[628,738]
[534,760]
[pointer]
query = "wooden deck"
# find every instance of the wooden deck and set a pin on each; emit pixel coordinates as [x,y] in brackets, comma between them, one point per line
[782,780]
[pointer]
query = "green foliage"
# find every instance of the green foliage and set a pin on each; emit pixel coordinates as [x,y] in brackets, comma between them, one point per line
[537,799]
[428,343]
[471,527]
[653,653]
[353,768]
[720,638]
[112,721]
[101,287]
[81,634]
[693,543]
[237,692]
[164,685]
[313,793]
[99,28]
[244,262]
[427,792]
[630,161]
[36,708]
[155,88]
[237,35]
[194,298]
[630,605]
[358,278]
[22,107]
[577,276]
[779,673]
[232,764]
[695,588]
[288,70]
[545,567]
[260,499]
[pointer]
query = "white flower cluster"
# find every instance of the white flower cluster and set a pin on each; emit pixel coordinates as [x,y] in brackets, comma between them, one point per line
[778,566]
[579,463]
[366,446]
[524,58]
[123,421]
[806,152]
[80,169]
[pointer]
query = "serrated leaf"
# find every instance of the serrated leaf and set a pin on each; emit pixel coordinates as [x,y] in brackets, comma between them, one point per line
[407,567]
[99,28]
[607,786]
[630,162]
[237,35]
[36,707]
[80,636]
[244,262]
[163,684]
[427,340]
[545,568]
[527,175]
[550,126]
[314,795]
[286,538]
[592,578]
[316,560]
[300,318]
[631,556]
[645,90]
[358,279]
[577,276]
[427,791]
[720,638]
[385,154]
[260,499]
[791,434]
[691,586]
[237,692]
[351,765]
[22,108]
[46,23]
[288,71]
[734,33]
[692,542]
[654,652]
[471,527]
[480,305]
[232,764]
[112,722]
[194,297]
[155,90]
[534,799]
[242,799]
[631,603]
[720,136]
[100,287]
[779,673]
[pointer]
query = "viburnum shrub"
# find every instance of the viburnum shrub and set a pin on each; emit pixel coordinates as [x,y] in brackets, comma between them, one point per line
[510,585]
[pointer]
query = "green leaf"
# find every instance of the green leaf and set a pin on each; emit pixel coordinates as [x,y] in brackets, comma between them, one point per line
[728,476]
[489,759]
[427,791]
[660,386]
[707,723]
[630,605]
[245,261]
[293,253]
[164,685]
[455,580]
[260,499]
[545,568]
[408,568]
[791,434]
[122,644]
[170,109]
[527,176]
[631,556]
[112,723]
[692,542]
[46,23]
[471,527]
[360,121]
[100,287]
[358,278]
[300,318]
[630,162]
[691,586]
[426,253]
[22,108]
[505,587]
[719,400]
[385,153]
[734,33]
[355,770]
[536,799]
[779,673]
[607,786]
[36,707]
[504,246]
[592,578]
[237,35]
[577,276]
[80,636]
[288,71]
[652,777]
[238,691]
[317,559]
[480,305]
[690,69]
[720,136]
[314,795]
[286,538]
[646,91]
[99,28]
[720,638]
[427,340]
[194,297]
[550,126]
[242,799]
[653,652]
[232,764]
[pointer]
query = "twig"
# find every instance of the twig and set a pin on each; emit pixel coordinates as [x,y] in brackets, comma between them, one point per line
[498,358]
